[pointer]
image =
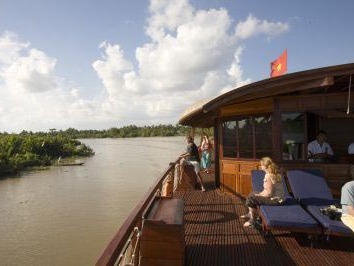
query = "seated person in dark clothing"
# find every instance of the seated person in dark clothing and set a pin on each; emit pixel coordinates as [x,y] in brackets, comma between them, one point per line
[191,156]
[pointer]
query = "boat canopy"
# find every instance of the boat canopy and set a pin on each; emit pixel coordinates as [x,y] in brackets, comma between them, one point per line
[321,80]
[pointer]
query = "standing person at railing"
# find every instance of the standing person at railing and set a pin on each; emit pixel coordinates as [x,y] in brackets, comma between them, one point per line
[191,157]
[206,153]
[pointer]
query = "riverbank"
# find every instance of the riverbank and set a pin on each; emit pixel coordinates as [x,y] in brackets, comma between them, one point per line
[23,152]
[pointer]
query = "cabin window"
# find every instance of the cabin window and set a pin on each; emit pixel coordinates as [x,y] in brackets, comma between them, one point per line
[245,138]
[263,136]
[249,137]
[293,136]
[229,136]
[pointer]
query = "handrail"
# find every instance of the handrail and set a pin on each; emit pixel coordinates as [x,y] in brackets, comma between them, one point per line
[113,250]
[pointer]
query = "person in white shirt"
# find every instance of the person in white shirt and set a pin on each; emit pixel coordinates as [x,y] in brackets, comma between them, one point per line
[319,148]
[351,149]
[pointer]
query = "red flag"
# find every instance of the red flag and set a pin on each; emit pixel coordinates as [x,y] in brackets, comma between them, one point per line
[280,65]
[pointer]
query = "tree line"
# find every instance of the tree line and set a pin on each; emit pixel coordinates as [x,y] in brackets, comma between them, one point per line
[38,149]
[130,131]
[31,149]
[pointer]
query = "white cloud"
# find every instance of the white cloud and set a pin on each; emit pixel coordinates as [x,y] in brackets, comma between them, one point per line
[34,73]
[10,48]
[192,55]
[32,96]
[167,17]
[253,26]
[111,68]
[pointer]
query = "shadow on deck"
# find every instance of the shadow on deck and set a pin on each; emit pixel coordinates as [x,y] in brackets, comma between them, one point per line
[214,235]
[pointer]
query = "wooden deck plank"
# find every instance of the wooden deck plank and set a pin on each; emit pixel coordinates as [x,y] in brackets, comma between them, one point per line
[214,235]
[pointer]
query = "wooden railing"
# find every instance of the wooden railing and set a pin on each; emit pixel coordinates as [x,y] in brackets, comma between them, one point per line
[126,239]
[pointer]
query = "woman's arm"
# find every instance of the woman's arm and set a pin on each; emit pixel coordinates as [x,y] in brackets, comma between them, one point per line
[351,210]
[267,187]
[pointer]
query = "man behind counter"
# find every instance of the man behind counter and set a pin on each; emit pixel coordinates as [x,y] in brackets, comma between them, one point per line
[319,148]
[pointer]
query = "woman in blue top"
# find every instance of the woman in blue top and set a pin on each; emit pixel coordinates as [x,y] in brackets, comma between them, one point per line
[206,153]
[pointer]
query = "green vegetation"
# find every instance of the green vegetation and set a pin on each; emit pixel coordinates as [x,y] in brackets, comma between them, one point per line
[129,132]
[18,152]
[28,149]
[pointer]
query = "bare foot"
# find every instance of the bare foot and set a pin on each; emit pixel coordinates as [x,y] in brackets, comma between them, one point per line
[245,216]
[248,223]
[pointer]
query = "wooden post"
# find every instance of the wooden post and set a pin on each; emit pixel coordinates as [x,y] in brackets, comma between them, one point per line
[167,188]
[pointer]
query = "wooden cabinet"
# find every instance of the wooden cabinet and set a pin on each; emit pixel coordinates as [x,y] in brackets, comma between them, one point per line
[236,176]
[162,238]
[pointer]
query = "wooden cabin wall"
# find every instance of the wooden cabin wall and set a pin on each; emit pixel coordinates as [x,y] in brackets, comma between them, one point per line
[340,133]
[217,152]
[314,102]
[235,176]
[235,173]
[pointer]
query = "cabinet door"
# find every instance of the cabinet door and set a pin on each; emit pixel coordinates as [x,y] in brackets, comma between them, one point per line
[236,176]
[245,184]
[229,183]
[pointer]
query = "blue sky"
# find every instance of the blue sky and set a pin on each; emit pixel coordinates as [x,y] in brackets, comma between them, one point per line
[92,64]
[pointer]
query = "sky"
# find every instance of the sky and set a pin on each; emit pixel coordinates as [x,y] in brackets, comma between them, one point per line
[99,64]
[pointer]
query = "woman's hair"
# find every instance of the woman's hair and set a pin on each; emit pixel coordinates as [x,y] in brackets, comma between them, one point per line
[189,139]
[272,167]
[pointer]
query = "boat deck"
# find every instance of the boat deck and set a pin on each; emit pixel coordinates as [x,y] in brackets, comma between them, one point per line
[214,235]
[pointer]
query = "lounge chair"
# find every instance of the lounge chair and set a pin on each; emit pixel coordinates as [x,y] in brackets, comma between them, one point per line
[289,217]
[314,194]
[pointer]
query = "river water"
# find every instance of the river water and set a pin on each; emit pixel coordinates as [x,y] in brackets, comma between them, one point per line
[67,215]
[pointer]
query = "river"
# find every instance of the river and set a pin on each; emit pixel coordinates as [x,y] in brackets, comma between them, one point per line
[67,215]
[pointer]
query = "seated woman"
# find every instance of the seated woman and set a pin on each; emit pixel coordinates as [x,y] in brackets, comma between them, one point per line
[272,194]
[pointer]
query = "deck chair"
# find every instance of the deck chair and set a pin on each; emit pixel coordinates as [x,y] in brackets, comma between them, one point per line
[314,194]
[288,217]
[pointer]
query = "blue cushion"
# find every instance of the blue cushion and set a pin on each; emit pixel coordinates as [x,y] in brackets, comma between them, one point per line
[309,188]
[291,216]
[257,177]
[331,226]
[313,171]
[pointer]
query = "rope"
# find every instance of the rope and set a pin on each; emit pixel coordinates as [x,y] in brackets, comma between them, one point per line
[350,85]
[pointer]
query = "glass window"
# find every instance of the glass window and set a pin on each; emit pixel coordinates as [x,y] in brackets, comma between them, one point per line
[263,133]
[249,137]
[245,138]
[293,135]
[229,139]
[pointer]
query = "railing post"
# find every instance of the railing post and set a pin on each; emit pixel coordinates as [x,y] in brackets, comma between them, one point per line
[167,188]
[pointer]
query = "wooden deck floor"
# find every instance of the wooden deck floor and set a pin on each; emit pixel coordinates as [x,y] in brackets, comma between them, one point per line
[214,235]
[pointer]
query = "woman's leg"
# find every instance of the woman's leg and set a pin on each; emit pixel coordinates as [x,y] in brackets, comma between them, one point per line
[252,215]
[248,215]
[252,202]
[197,171]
